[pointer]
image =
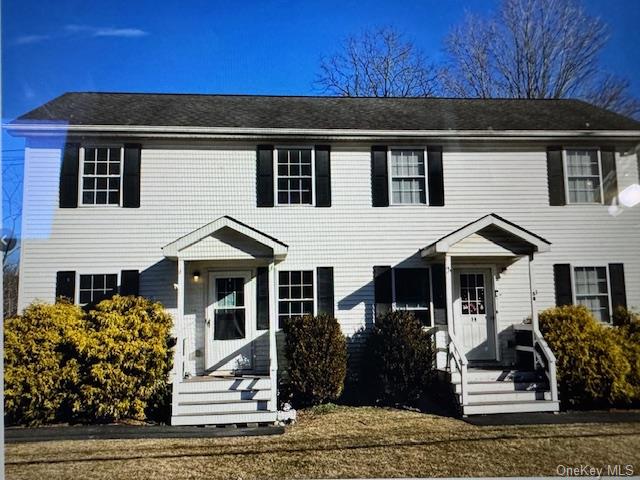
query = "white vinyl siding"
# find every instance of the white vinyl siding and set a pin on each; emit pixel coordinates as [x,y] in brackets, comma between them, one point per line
[591,287]
[407,177]
[101,175]
[584,176]
[294,176]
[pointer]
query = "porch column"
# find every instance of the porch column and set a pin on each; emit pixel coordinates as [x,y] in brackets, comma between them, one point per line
[178,358]
[533,293]
[448,273]
[273,350]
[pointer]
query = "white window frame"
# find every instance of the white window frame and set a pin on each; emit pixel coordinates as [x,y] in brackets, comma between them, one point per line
[315,290]
[390,176]
[566,175]
[394,305]
[276,149]
[76,294]
[574,296]
[81,175]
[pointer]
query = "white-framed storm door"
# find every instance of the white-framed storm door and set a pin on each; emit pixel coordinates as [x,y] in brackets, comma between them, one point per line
[474,313]
[230,323]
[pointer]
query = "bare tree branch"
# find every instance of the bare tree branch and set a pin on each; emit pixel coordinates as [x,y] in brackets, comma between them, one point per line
[378,63]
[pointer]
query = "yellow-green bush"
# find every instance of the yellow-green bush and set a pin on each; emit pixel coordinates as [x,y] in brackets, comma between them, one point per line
[65,364]
[127,360]
[316,352]
[593,364]
[42,371]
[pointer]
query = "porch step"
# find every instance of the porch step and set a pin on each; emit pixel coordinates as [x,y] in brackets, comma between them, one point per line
[503,386]
[224,418]
[225,395]
[475,375]
[205,407]
[485,408]
[497,397]
[223,384]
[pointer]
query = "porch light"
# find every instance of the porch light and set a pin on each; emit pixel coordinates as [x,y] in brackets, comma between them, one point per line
[196,275]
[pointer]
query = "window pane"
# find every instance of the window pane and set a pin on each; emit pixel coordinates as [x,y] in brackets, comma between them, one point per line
[592,290]
[412,287]
[294,176]
[295,294]
[229,324]
[102,154]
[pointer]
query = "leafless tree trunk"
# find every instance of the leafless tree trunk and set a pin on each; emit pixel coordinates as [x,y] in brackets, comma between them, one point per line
[10,292]
[377,63]
[533,49]
[12,214]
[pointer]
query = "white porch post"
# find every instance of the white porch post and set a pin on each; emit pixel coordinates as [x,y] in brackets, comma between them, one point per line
[273,350]
[534,309]
[448,274]
[178,359]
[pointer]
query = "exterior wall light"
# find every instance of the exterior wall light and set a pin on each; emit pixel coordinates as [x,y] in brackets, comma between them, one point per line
[196,275]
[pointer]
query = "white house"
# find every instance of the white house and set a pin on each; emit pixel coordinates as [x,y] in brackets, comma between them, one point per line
[238,211]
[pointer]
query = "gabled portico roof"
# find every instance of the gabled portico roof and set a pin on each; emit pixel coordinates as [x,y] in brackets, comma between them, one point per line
[173,249]
[444,244]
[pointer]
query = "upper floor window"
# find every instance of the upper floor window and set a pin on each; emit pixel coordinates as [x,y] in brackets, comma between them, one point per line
[101,175]
[94,288]
[407,177]
[295,176]
[295,294]
[584,176]
[592,291]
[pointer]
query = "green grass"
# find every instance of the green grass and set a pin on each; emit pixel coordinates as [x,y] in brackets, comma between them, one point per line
[339,442]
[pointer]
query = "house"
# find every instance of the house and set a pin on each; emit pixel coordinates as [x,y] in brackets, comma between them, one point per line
[237,212]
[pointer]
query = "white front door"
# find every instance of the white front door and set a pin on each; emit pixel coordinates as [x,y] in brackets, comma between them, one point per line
[230,322]
[474,313]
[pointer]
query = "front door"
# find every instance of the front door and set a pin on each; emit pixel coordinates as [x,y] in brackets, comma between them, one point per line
[474,313]
[229,322]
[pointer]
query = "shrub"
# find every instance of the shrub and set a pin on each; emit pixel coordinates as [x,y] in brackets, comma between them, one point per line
[316,352]
[592,364]
[398,358]
[628,330]
[42,373]
[127,360]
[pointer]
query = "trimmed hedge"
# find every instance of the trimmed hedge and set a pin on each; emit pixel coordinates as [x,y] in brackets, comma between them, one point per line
[597,364]
[398,359]
[65,364]
[316,352]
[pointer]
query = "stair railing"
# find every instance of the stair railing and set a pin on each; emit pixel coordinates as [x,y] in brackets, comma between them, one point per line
[541,353]
[459,359]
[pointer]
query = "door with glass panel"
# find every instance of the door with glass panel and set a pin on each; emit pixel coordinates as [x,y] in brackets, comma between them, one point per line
[473,309]
[230,322]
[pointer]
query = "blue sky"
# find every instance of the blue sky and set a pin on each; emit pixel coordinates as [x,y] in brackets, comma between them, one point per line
[223,47]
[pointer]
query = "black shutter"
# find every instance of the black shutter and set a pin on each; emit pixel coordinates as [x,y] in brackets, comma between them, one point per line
[382,289]
[325,290]
[435,176]
[618,290]
[562,281]
[323,176]
[262,295]
[66,285]
[379,179]
[609,177]
[131,177]
[129,282]
[438,287]
[264,176]
[555,174]
[69,176]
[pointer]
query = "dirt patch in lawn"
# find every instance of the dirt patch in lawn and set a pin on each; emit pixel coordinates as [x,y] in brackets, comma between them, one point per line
[345,442]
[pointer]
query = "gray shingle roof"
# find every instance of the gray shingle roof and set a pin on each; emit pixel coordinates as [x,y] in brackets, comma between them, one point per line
[246,111]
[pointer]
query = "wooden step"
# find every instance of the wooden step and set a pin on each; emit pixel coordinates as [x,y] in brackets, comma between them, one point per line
[480,375]
[497,397]
[487,408]
[225,395]
[209,407]
[224,418]
[221,384]
[503,387]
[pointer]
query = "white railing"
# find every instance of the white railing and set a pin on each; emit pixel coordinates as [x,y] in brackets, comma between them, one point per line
[178,370]
[457,357]
[542,355]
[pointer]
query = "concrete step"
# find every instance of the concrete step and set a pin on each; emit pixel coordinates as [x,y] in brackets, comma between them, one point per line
[225,395]
[480,375]
[497,397]
[213,407]
[503,386]
[487,408]
[222,384]
[224,418]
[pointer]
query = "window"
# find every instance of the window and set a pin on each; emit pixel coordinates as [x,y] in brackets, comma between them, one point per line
[412,292]
[229,309]
[408,179]
[101,170]
[97,287]
[472,293]
[295,176]
[295,294]
[592,291]
[583,176]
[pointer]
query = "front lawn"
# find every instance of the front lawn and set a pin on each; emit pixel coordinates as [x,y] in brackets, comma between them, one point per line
[343,442]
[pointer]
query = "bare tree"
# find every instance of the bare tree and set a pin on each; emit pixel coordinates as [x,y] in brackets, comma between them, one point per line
[377,63]
[533,49]
[10,290]
[12,214]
